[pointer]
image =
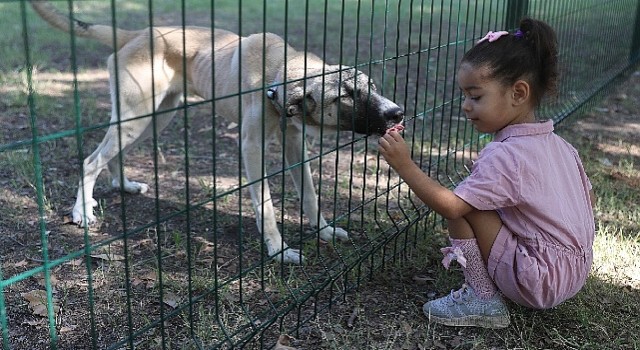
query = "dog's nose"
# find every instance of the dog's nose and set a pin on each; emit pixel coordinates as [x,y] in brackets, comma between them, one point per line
[395,114]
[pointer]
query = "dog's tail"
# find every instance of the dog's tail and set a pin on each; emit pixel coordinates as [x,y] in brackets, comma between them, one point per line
[102,33]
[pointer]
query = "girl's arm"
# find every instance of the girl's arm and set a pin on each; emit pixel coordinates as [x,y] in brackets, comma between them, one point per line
[437,197]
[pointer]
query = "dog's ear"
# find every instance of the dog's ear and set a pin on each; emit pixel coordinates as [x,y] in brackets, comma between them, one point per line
[298,103]
[291,97]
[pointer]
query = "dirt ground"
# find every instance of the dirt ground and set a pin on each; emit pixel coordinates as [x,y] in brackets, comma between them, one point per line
[611,128]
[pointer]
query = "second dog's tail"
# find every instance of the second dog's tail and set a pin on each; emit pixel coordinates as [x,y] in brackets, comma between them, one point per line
[102,33]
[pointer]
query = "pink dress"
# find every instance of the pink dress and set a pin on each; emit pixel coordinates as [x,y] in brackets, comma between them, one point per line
[534,179]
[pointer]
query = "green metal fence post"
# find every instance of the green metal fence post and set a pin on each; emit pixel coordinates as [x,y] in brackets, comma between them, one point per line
[516,9]
[635,43]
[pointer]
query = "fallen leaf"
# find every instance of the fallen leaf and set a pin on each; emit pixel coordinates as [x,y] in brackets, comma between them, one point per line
[34,322]
[108,257]
[66,329]
[136,282]
[21,263]
[406,327]
[142,243]
[74,262]
[66,219]
[38,302]
[423,278]
[147,280]
[170,299]
[631,181]
[150,276]
[283,343]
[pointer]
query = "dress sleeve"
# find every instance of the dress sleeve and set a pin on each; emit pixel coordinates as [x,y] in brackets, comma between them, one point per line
[495,180]
[583,173]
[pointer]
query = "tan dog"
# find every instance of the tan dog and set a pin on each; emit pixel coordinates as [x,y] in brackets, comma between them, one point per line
[299,90]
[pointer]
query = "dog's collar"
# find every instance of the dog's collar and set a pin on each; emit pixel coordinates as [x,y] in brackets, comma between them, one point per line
[272,94]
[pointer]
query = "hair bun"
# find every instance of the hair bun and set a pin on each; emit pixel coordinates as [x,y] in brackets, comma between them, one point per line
[531,54]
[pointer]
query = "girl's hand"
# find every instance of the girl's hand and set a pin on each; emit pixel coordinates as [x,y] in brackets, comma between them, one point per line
[394,150]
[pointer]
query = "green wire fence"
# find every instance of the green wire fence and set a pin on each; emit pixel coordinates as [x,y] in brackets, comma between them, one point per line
[183,266]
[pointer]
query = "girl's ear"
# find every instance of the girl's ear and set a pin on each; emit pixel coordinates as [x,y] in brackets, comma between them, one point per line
[520,92]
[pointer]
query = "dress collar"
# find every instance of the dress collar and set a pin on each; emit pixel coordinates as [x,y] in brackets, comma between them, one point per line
[524,129]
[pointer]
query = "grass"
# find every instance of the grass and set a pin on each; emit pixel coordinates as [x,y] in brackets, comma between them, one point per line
[413,68]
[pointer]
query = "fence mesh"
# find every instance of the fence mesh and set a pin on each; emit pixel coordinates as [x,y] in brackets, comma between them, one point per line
[184,264]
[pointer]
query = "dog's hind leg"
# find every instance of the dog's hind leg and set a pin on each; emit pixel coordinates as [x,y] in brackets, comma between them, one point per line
[125,130]
[296,157]
[93,165]
[163,116]
[82,212]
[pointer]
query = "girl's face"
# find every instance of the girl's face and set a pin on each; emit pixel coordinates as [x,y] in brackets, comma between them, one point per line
[488,104]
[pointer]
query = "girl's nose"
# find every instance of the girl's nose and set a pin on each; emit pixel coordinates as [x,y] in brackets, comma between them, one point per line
[466,106]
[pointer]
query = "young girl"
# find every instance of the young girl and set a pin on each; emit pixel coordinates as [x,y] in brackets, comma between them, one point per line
[521,225]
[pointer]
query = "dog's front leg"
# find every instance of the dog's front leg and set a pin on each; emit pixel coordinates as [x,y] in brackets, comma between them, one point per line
[82,213]
[252,152]
[296,156]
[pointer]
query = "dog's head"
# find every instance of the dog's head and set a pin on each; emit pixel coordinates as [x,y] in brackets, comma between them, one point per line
[335,97]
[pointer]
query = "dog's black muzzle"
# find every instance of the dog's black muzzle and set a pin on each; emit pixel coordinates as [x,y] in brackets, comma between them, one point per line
[393,116]
[385,119]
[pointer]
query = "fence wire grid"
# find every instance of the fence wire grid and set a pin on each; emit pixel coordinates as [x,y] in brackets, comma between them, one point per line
[183,265]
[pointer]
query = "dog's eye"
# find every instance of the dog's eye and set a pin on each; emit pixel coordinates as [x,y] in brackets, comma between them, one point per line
[344,97]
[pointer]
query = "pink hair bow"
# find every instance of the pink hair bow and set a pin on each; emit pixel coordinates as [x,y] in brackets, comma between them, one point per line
[450,254]
[493,36]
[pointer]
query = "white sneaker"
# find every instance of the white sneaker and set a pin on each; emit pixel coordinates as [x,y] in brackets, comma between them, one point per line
[464,308]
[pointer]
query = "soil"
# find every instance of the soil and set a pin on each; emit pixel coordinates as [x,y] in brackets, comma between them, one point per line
[120,286]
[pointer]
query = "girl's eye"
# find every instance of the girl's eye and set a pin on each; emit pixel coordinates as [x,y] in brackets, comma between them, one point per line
[471,97]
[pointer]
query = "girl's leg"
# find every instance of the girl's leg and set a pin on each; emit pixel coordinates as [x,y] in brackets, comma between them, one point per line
[481,225]
[474,235]
[480,305]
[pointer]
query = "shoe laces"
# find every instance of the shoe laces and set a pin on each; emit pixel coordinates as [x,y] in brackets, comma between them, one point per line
[461,295]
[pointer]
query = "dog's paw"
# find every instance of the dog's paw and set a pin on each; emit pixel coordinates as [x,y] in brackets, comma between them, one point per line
[329,233]
[78,213]
[141,187]
[289,256]
[131,186]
